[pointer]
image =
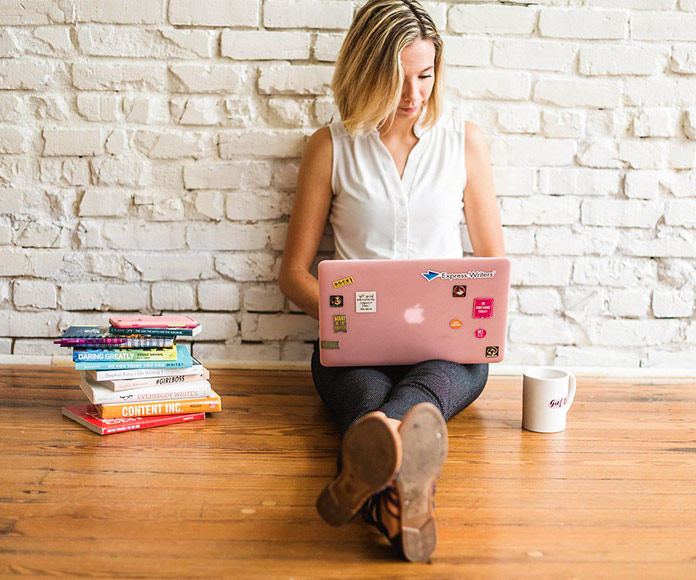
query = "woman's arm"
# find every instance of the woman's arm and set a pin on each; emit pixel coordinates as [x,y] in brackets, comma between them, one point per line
[480,206]
[307,221]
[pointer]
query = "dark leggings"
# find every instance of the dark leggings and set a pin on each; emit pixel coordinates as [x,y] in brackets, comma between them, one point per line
[351,392]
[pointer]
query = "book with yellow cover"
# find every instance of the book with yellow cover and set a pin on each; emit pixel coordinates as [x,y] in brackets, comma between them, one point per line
[211,404]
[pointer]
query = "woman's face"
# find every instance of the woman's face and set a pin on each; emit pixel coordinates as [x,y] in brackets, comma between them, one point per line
[418,63]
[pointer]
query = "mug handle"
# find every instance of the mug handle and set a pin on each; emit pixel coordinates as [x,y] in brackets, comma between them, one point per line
[571,389]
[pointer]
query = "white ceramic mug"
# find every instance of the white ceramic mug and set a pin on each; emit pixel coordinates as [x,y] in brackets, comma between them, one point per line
[547,394]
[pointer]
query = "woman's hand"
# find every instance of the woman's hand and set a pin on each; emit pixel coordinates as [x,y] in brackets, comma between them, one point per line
[307,222]
[480,206]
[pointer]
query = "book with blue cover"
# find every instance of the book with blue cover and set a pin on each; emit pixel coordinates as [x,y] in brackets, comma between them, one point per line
[124,355]
[91,336]
[183,359]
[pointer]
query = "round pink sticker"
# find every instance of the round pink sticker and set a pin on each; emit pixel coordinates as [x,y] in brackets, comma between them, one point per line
[480,333]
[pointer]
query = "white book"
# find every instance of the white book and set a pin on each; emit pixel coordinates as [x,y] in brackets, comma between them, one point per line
[195,369]
[99,395]
[128,384]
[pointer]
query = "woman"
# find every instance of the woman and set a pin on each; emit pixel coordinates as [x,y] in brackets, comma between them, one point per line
[395,177]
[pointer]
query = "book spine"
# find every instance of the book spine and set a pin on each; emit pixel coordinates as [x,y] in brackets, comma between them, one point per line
[127,374]
[206,405]
[102,395]
[153,331]
[154,422]
[131,365]
[130,384]
[124,355]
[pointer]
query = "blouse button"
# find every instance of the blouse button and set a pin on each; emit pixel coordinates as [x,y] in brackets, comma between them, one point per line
[402,225]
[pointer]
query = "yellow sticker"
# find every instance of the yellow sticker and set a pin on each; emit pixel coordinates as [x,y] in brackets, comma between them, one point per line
[455,323]
[343,282]
[340,323]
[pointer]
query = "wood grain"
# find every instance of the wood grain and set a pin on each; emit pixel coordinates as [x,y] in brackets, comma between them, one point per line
[612,497]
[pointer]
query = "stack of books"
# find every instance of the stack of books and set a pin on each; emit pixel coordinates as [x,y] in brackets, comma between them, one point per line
[136,376]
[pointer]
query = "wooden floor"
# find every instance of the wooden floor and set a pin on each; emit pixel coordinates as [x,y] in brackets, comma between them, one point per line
[612,497]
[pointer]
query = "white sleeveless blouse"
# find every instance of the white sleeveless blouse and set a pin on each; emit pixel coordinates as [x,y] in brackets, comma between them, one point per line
[377,214]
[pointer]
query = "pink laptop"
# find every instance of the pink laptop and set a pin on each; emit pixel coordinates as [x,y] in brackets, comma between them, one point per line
[394,312]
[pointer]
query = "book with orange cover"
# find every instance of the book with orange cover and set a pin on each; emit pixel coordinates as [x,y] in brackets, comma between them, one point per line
[211,404]
[88,416]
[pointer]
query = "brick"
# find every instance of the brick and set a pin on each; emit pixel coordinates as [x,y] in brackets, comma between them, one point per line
[655,26]
[217,326]
[170,296]
[514,181]
[673,303]
[278,327]
[325,112]
[689,124]
[586,24]
[327,46]
[326,14]
[263,298]
[460,51]
[171,144]
[518,241]
[97,107]
[143,236]
[628,302]
[489,84]
[688,5]
[523,119]
[218,296]
[542,55]
[210,204]
[681,212]
[255,205]
[65,142]
[26,74]
[634,4]
[541,272]
[539,210]
[621,213]
[208,110]
[5,238]
[601,153]
[539,330]
[184,267]
[610,59]
[265,45]
[683,184]
[583,303]
[41,12]
[34,294]
[203,78]
[642,154]
[286,79]
[670,359]
[226,236]
[680,155]
[11,108]
[642,184]
[214,12]
[601,123]
[614,333]
[37,347]
[596,357]
[119,77]
[484,19]
[569,242]
[82,296]
[126,172]
[683,59]
[206,175]
[578,93]
[236,350]
[669,243]
[150,110]
[289,112]
[5,346]
[655,123]
[620,273]
[104,202]
[262,144]
[524,151]
[295,350]
[593,182]
[563,124]
[122,12]
[538,301]
[248,266]
[12,141]
[38,235]
[29,324]
[117,41]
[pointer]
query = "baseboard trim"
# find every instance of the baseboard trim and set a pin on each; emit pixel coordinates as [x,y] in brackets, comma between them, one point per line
[500,369]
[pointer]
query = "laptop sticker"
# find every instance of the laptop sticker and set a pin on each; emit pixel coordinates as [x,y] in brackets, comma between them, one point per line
[459,291]
[492,351]
[483,307]
[366,301]
[330,344]
[480,332]
[336,301]
[340,323]
[455,323]
[343,282]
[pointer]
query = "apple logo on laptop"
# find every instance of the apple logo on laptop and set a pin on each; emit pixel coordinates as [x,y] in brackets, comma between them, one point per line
[414,315]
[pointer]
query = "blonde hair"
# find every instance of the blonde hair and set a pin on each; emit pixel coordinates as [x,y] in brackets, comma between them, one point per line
[368,77]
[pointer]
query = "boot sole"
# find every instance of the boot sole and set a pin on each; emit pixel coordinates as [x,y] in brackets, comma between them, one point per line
[424,439]
[371,456]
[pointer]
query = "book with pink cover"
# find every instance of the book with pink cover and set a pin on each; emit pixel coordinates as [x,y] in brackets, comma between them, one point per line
[398,312]
[88,416]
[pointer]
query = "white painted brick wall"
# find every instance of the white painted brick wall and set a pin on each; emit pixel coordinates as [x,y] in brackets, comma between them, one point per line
[149,152]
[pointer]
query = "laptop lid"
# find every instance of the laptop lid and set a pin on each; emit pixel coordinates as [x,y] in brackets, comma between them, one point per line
[394,312]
